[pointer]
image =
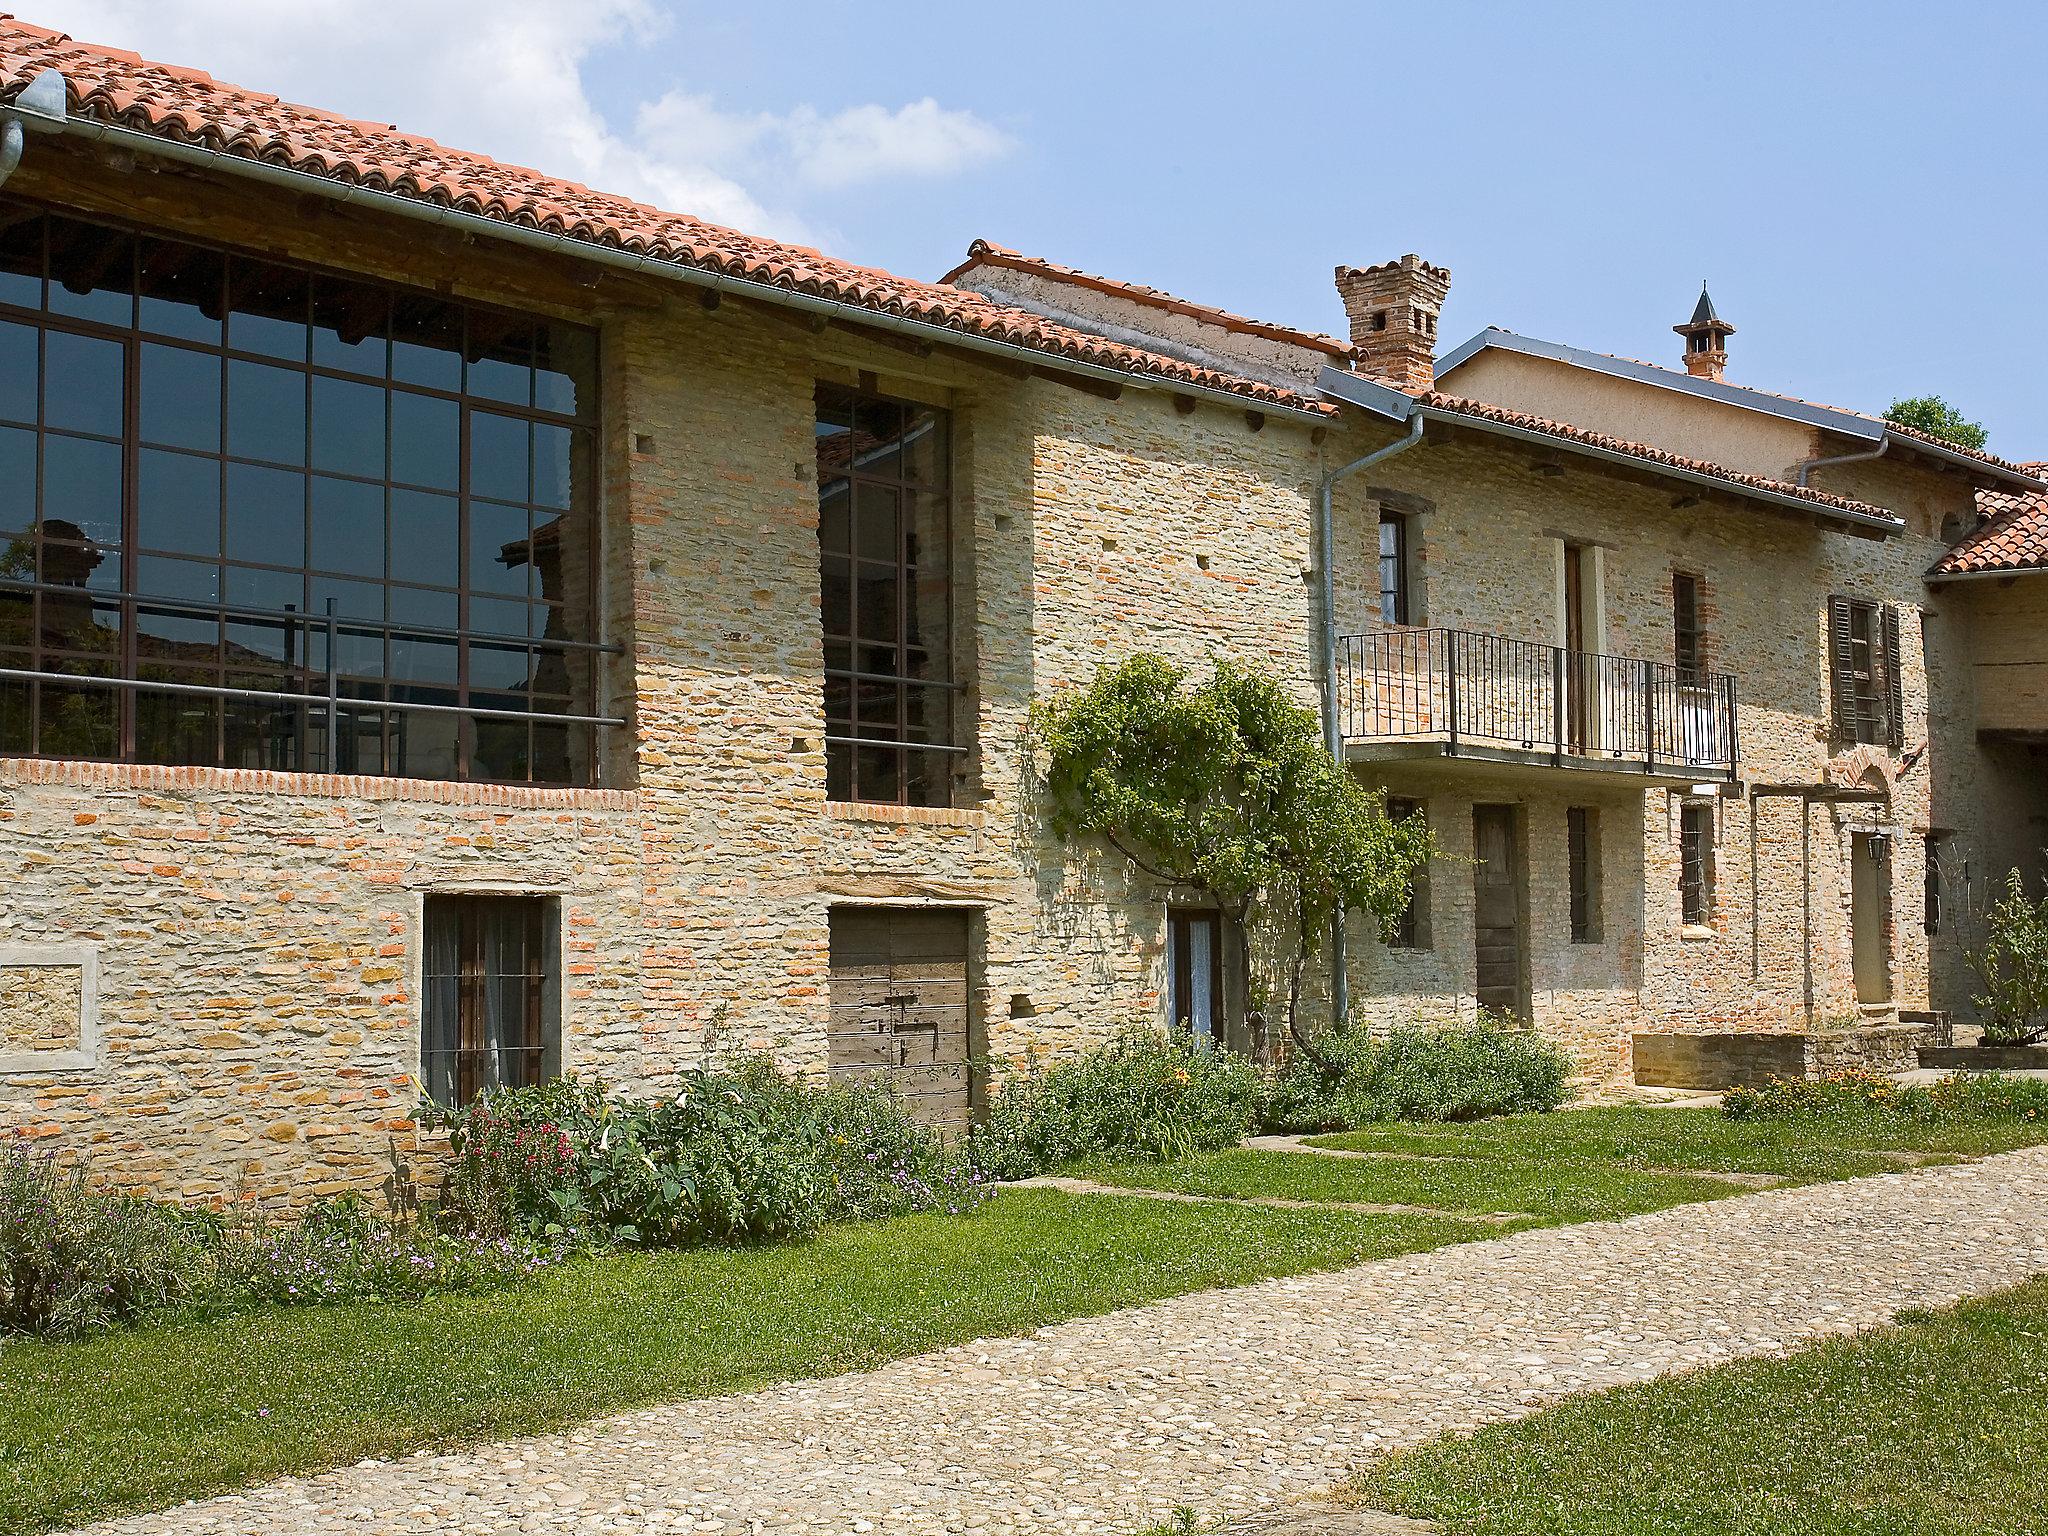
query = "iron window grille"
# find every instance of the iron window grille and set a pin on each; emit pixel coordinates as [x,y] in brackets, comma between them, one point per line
[1410,929]
[488,1018]
[1582,856]
[255,515]
[1696,864]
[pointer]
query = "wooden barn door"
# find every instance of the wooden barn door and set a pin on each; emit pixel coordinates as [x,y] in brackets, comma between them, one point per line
[900,1005]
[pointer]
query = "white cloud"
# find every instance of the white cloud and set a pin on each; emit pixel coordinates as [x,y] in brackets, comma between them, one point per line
[507,78]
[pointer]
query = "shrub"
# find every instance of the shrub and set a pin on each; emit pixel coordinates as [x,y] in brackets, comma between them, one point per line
[1454,1072]
[74,1259]
[1869,1096]
[2012,964]
[341,1251]
[746,1155]
[1141,1093]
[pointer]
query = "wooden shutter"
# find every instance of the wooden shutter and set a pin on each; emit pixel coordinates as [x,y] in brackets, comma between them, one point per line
[1841,669]
[1894,694]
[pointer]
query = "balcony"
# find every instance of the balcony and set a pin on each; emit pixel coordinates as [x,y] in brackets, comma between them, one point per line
[1415,693]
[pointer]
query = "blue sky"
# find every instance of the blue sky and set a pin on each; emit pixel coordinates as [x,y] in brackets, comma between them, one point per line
[1862,184]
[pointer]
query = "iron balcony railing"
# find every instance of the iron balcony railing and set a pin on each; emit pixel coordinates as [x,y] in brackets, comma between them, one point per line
[1485,693]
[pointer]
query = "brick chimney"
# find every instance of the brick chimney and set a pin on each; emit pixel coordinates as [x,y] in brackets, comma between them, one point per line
[1393,309]
[1706,340]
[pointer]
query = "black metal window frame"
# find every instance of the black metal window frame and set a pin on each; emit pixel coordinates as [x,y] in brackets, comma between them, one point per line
[1696,863]
[1410,929]
[1582,861]
[1688,643]
[304,685]
[460,1059]
[890,691]
[1393,536]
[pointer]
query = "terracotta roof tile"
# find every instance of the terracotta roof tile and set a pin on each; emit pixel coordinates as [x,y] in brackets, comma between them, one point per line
[985,253]
[115,86]
[2011,534]
[1482,411]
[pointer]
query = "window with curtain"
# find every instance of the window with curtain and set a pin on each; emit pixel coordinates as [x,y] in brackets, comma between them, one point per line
[488,1013]
[1393,568]
[204,455]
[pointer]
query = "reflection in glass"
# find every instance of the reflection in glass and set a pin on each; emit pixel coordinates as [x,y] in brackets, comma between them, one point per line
[180,404]
[82,486]
[348,526]
[266,413]
[348,427]
[181,291]
[268,308]
[82,383]
[426,437]
[92,272]
[266,515]
[178,502]
[17,372]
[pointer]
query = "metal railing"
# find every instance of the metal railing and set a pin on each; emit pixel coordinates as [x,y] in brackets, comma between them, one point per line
[1477,692]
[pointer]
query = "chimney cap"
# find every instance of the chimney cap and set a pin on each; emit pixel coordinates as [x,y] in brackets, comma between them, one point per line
[1408,263]
[1704,318]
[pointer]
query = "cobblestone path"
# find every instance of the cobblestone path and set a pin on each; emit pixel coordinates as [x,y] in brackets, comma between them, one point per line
[1228,1401]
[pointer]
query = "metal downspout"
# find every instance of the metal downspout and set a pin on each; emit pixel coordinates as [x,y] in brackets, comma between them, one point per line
[1806,467]
[1326,617]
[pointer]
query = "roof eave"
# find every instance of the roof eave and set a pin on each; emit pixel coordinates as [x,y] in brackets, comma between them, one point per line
[1398,406]
[91,129]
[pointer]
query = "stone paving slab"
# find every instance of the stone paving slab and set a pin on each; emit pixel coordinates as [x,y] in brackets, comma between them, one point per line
[1231,1402]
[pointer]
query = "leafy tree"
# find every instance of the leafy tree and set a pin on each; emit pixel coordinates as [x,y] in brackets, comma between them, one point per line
[1224,787]
[2012,964]
[1937,418]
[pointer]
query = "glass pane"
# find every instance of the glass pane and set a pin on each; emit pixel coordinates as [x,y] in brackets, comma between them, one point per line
[875,522]
[19,370]
[266,413]
[838,771]
[178,503]
[268,309]
[876,602]
[835,517]
[180,398]
[925,451]
[554,454]
[176,636]
[67,563]
[181,288]
[17,604]
[352,599]
[82,383]
[500,746]
[425,671]
[190,581]
[501,357]
[17,480]
[349,324]
[348,526]
[81,489]
[836,594]
[498,549]
[561,753]
[929,778]
[260,735]
[500,669]
[272,591]
[565,376]
[92,273]
[425,440]
[72,621]
[175,728]
[266,515]
[17,723]
[348,427]
[427,531]
[497,457]
[875,773]
[549,534]
[256,643]
[423,746]
[21,257]
[495,616]
[426,342]
[77,721]
[425,608]
[877,425]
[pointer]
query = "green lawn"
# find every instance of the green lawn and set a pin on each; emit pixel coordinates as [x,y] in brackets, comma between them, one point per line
[1938,1427]
[1694,1138]
[1549,1191]
[152,1415]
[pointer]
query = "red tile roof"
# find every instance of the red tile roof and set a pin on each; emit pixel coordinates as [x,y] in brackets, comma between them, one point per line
[114,86]
[1480,410]
[2011,534]
[984,253]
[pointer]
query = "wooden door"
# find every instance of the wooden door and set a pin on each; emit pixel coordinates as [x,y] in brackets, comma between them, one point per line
[1497,910]
[1870,917]
[1576,662]
[899,1006]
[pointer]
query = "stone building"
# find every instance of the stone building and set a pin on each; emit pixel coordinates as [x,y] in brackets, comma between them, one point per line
[457,627]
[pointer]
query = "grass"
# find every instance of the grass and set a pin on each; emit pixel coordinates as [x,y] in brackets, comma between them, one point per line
[1547,1191]
[1938,1427]
[149,1416]
[1800,1150]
